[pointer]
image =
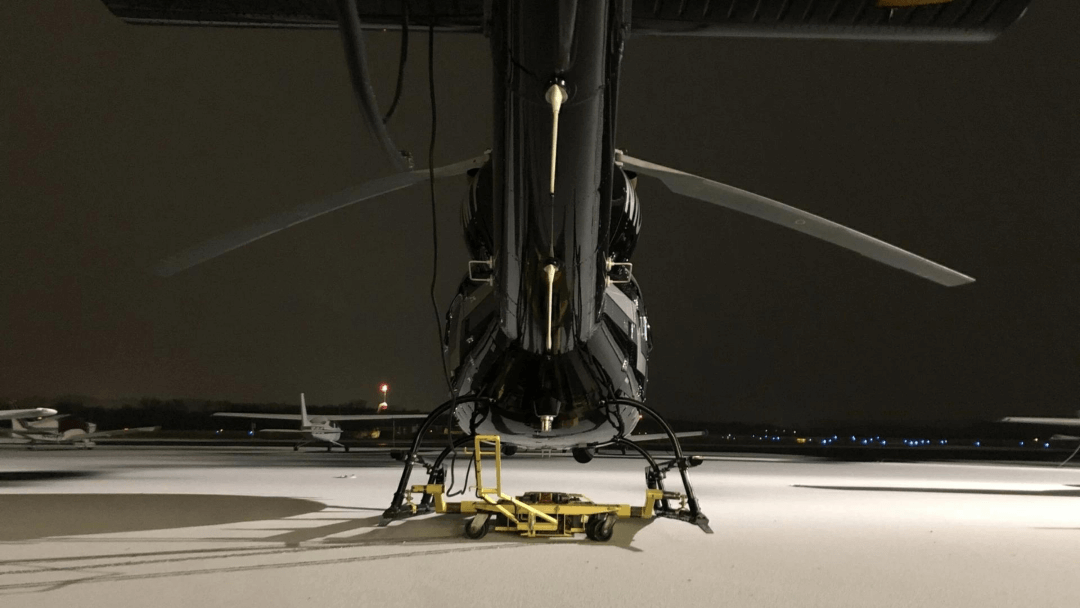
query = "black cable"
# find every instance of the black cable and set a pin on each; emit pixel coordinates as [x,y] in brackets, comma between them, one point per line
[435,249]
[431,185]
[356,58]
[404,57]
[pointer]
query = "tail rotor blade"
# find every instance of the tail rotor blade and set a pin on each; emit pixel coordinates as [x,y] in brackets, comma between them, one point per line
[263,228]
[790,217]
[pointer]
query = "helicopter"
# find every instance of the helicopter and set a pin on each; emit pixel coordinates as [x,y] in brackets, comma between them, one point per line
[547,340]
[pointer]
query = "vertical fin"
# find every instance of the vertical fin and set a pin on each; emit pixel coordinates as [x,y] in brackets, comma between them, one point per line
[303,412]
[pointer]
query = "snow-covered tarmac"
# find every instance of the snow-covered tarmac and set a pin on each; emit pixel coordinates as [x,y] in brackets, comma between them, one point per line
[119,527]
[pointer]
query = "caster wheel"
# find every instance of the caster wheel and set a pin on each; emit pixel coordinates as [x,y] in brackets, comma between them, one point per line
[590,526]
[477,527]
[600,528]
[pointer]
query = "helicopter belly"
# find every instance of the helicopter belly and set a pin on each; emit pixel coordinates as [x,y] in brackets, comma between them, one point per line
[556,400]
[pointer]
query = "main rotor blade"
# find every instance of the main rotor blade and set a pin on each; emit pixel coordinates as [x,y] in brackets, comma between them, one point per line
[790,217]
[263,228]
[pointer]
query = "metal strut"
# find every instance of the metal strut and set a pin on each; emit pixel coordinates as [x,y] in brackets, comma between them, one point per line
[693,512]
[437,473]
[654,475]
[397,508]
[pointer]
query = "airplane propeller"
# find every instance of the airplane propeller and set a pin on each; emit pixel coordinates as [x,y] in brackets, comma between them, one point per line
[263,228]
[790,217]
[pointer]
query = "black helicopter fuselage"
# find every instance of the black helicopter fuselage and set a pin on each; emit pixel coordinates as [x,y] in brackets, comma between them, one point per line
[549,326]
[547,340]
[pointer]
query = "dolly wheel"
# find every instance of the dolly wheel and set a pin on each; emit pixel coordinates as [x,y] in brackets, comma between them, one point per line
[590,527]
[600,528]
[296,448]
[477,526]
[346,448]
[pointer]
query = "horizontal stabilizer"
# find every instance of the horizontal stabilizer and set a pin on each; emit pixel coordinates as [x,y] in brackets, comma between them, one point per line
[915,20]
[663,436]
[450,15]
[778,213]
[912,20]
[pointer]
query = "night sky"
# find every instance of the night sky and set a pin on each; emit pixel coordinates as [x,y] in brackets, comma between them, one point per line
[121,145]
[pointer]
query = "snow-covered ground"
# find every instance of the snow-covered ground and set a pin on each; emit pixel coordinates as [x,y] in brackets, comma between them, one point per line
[118,527]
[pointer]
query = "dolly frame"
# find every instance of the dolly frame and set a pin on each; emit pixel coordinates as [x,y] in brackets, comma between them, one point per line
[534,514]
[657,502]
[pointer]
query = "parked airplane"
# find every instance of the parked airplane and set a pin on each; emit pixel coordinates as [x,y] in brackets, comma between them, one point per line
[43,426]
[316,428]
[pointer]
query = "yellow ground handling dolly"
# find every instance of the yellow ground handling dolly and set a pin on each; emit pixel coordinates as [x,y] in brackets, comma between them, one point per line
[533,514]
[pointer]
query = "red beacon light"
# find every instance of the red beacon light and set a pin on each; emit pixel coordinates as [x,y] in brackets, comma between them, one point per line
[383,388]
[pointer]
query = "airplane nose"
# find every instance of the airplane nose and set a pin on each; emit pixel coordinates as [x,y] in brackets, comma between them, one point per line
[46,411]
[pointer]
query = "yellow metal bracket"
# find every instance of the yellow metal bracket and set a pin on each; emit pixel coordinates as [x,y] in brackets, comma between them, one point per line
[494,495]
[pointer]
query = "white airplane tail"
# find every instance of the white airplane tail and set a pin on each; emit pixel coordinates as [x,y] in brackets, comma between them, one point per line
[303,412]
